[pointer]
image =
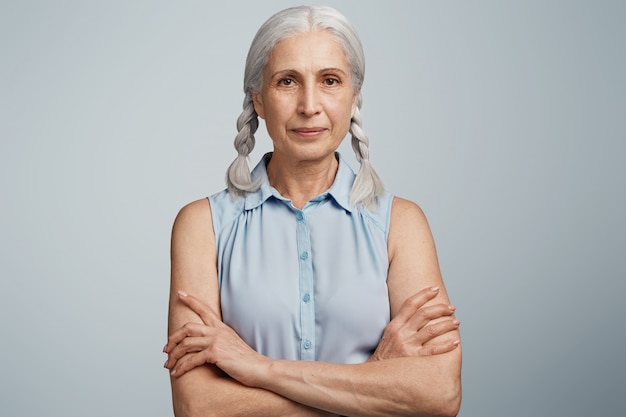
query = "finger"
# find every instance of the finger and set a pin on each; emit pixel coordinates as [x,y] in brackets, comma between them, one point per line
[206,313]
[424,315]
[432,331]
[188,345]
[439,348]
[188,330]
[176,355]
[415,302]
[188,362]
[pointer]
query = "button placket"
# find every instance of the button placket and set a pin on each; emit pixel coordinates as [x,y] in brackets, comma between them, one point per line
[307,305]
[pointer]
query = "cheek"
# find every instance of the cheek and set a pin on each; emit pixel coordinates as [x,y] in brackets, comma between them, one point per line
[277,108]
[344,112]
[273,117]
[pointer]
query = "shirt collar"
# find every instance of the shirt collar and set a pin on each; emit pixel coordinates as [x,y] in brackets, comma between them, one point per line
[339,190]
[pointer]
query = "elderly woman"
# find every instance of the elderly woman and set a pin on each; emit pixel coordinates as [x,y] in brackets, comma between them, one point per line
[302,289]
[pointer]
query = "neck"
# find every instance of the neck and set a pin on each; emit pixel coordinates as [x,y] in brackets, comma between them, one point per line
[300,181]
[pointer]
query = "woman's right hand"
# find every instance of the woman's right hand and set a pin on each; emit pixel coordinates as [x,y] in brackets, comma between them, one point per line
[410,331]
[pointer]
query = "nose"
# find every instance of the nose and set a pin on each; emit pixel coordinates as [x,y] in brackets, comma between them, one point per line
[309,104]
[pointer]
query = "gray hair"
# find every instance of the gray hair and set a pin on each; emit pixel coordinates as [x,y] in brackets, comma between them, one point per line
[289,22]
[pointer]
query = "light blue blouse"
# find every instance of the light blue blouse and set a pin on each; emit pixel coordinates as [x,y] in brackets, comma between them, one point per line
[306,284]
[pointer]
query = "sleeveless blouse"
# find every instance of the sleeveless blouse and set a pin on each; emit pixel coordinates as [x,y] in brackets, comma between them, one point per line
[306,284]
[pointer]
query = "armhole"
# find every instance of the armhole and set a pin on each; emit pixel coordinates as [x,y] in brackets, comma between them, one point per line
[214,219]
[224,209]
[381,217]
[214,226]
[386,206]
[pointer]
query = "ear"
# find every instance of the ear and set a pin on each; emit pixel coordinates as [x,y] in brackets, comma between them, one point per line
[257,100]
[355,100]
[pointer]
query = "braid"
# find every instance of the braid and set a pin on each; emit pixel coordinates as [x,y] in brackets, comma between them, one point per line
[367,185]
[238,177]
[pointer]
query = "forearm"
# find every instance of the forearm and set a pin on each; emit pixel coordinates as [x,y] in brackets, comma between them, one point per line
[419,386]
[201,392]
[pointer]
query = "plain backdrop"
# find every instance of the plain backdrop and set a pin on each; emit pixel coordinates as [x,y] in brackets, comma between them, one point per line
[504,120]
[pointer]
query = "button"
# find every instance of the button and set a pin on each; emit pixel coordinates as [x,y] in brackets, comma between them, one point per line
[299,216]
[304,255]
[307,344]
[306,298]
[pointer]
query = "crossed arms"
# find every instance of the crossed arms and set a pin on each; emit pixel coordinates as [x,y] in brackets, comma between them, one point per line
[415,369]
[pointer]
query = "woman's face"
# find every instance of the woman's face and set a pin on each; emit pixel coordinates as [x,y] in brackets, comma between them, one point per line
[307,99]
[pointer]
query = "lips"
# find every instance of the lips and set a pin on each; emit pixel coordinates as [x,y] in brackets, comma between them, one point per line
[309,130]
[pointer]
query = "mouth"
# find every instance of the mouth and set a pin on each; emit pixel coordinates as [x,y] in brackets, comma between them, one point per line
[309,132]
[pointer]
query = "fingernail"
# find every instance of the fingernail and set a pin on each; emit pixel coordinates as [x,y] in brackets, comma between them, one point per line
[456,342]
[435,288]
[173,372]
[457,322]
[165,364]
[182,293]
[165,347]
[451,307]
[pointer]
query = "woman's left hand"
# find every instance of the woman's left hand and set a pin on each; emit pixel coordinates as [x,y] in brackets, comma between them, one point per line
[213,342]
[409,333]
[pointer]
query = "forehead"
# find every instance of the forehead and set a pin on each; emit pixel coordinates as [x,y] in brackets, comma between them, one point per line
[309,50]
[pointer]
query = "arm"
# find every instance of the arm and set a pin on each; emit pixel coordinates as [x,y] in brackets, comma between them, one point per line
[417,385]
[206,390]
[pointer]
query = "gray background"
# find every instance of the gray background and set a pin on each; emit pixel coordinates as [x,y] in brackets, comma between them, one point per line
[503,120]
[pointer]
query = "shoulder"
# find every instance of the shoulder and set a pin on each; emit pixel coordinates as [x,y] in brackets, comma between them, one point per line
[225,208]
[210,215]
[193,248]
[408,226]
[194,212]
[406,210]
[380,215]
[193,223]
[406,213]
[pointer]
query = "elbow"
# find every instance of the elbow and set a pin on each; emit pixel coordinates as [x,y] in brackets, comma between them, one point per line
[183,409]
[190,394]
[186,405]
[448,401]
[443,404]
[188,409]
[448,392]
[451,404]
[443,400]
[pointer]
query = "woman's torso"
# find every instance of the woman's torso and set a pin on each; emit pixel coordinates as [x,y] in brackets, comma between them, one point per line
[304,284]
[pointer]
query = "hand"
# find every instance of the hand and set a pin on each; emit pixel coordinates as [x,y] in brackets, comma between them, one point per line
[213,342]
[409,332]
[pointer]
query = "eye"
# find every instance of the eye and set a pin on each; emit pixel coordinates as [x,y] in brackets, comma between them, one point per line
[331,81]
[286,82]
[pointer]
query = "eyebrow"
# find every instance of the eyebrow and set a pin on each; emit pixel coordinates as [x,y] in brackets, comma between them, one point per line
[294,72]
